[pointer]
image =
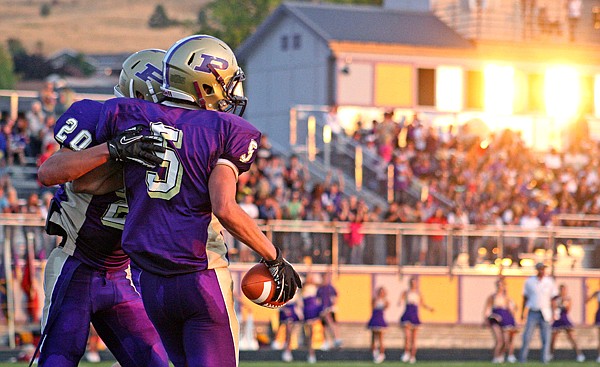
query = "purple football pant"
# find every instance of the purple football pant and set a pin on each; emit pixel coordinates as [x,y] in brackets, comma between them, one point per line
[77,294]
[194,316]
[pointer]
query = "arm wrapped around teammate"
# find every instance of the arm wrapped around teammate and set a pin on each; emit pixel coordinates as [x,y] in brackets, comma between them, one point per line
[132,145]
[285,277]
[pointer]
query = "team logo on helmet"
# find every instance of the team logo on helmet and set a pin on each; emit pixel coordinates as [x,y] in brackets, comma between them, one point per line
[151,72]
[217,62]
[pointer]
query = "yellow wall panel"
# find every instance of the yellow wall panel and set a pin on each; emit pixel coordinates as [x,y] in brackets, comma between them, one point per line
[441,293]
[394,85]
[354,297]
[591,285]
[514,287]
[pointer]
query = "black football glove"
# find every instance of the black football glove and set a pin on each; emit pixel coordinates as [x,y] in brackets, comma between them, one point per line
[285,277]
[131,145]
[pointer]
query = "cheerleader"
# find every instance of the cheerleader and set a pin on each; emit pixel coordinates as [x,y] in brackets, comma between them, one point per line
[498,314]
[596,296]
[288,318]
[413,299]
[377,324]
[311,305]
[562,322]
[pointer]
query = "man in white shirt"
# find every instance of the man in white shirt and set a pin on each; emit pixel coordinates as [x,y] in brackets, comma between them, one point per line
[539,297]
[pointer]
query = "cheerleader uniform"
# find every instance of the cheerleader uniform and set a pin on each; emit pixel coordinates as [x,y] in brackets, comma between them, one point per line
[311,303]
[377,321]
[411,313]
[563,322]
[288,314]
[501,314]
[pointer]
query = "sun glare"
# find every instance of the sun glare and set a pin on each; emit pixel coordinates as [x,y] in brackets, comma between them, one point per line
[499,89]
[562,91]
[449,88]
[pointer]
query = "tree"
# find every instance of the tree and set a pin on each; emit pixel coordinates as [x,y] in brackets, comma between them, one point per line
[7,75]
[45,10]
[234,20]
[159,19]
[76,66]
[15,47]
[26,66]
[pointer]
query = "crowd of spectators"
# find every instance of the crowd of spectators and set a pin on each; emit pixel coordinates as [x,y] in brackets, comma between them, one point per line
[29,135]
[488,180]
[26,140]
[464,178]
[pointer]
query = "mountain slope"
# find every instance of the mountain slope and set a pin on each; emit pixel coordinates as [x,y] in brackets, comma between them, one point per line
[92,26]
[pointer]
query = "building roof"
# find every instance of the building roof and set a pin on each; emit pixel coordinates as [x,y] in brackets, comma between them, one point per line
[99,61]
[363,24]
[110,61]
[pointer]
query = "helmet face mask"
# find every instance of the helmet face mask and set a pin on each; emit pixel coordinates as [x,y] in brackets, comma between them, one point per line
[234,101]
[202,71]
[141,76]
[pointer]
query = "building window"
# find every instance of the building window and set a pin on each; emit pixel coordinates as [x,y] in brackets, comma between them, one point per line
[296,42]
[426,93]
[474,90]
[284,43]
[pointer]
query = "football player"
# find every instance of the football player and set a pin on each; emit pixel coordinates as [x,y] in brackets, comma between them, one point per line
[170,231]
[86,276]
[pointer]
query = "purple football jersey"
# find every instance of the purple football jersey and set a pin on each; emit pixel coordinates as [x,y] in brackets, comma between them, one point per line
[93,223]
[169,228]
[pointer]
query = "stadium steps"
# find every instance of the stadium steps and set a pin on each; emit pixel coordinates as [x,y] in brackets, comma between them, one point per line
[24,178]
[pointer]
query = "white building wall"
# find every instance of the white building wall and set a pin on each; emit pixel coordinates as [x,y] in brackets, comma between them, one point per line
[279,79]
[413,5]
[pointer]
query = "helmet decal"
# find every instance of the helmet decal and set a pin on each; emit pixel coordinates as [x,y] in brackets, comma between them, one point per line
[150,72]
[208,61]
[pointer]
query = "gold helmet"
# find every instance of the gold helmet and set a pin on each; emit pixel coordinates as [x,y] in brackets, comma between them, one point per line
[202,71]
[141,76]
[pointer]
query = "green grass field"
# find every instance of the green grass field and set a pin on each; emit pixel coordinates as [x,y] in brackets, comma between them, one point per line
[361,364]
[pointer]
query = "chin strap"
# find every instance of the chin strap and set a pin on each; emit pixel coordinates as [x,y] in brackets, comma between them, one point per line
[201,100]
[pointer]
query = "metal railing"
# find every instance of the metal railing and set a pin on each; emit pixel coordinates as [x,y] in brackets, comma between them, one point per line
[20,100]
[369,175]
[498,242]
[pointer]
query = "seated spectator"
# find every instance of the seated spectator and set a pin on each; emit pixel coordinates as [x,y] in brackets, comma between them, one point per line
[18,141]
[48,98]
[436,249]
[35,118]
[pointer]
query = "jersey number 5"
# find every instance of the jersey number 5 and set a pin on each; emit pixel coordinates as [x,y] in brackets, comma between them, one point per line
[166,185]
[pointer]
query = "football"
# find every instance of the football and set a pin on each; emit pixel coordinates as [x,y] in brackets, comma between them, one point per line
[258,285]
